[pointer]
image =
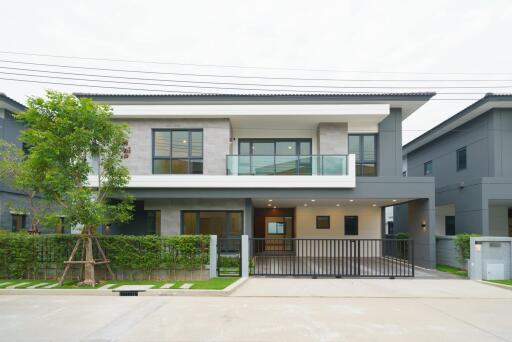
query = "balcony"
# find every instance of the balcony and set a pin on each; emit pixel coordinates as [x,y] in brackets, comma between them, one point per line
[299,165]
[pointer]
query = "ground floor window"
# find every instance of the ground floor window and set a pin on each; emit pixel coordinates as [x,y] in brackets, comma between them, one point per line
[19,222]
[449,225]
[351,225]
[220,223]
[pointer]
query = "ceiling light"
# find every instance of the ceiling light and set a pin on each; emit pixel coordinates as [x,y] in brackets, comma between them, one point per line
[270,200]
[275,207]
[337,204]
[394,200]
[269,205]
[313,200]
[305,204]
[184,141]
[289,147]
[351,200]
[374,205]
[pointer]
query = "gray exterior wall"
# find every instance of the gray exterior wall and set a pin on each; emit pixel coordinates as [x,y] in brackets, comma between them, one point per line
[216,142]
[9,130]
[488,139]
[447,253]
[332,138]
[389,145]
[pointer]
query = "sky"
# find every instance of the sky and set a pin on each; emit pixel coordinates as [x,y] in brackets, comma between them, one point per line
[394,45]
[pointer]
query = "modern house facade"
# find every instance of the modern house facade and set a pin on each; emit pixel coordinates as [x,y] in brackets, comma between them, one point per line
[469,155]
[11,217]
[294,166]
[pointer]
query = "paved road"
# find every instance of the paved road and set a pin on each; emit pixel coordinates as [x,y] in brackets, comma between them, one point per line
[273,310]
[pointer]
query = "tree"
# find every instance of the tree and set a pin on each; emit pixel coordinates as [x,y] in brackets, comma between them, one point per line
[16,172]
[67,135]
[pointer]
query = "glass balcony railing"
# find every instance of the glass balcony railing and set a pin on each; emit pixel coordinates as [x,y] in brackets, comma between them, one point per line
[311,165]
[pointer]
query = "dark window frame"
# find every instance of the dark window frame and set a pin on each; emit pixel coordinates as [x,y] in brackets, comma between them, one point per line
[297,142]
[189,159]
[14,222]
[318,225]
[457,161]
[356,231]
[198,220]
[446,223]
[269,233]
[361,162]
[425,168]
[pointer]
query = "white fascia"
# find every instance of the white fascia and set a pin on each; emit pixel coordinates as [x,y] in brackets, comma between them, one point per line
[240,111]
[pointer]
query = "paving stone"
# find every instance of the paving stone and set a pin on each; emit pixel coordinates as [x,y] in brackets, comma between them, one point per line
[186,286]
[167,286]
[106,287]
[17,285]
[5,283]
[51,286]
[37,285]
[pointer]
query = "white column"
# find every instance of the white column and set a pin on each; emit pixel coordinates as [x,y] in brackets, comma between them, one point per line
[245,256]
[213,256]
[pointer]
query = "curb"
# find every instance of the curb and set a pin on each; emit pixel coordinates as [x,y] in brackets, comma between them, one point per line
[97,292]
[503,286]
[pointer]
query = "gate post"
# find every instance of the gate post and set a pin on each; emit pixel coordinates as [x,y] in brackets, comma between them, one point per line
[245,255]
[213,256]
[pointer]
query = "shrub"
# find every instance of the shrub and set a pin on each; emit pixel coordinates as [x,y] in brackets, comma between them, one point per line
[22,254]
[462,243]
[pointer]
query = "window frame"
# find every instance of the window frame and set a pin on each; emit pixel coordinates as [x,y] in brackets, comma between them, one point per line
[323,217]
[297,142]
[361,161]
[22,220]
[189,158]
[425,168]
[346,232]
[269,233]
[198,220]
[458,167]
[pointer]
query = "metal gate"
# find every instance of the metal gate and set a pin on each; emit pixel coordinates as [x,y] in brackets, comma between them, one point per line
[312,257]
[229,257]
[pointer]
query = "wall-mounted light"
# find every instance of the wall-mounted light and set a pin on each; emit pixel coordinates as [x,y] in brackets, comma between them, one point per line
[424,225]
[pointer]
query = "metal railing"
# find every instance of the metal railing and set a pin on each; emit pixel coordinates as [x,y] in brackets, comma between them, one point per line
[313,257]
[307,165]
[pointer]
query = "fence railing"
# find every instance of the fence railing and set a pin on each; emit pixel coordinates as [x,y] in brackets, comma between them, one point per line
[317,257]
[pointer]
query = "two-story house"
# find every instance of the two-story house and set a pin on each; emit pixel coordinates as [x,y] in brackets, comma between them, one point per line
[11,217]
[471,159]
[272,166]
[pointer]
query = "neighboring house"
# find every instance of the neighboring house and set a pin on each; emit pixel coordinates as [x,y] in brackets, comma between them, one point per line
[11,218]
[470,156]
[321,166]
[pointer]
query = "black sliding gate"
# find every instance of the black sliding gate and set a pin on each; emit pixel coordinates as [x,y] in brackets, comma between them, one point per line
[312,257]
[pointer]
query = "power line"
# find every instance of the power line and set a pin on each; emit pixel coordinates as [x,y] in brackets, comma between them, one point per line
[253,77]
[174,91]
[214,87]
[247,67]
[252,84]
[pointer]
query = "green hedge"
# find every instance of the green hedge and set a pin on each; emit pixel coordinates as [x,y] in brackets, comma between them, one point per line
[22,254]
[462,242]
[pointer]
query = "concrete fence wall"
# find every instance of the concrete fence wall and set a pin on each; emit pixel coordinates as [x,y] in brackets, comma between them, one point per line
[446,252]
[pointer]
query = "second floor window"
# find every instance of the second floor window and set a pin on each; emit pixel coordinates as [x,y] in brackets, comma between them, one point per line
[462,161]
[364,146]
[177,151]
[428,168]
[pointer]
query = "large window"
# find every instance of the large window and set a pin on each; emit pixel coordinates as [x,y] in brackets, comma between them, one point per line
[274,156]
[428,168]
[462,160]
[364,146]
[177,151]
[19,222]
[351,225]
[221,223]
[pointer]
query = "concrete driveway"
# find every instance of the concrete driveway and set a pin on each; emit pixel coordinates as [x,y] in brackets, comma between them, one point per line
[273,310]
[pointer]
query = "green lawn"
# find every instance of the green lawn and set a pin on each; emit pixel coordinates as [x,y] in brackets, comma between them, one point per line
[452,270]
[503,282]
[209,284]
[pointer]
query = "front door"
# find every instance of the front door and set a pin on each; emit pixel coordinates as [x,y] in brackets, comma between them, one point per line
[278,228]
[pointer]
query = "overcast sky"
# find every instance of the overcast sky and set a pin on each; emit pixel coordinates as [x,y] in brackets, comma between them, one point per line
[413,37]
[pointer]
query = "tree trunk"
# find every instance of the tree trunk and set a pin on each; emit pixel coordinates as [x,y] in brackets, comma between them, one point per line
[89,278]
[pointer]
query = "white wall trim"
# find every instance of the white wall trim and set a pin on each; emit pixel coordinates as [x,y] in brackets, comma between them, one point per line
[224,110]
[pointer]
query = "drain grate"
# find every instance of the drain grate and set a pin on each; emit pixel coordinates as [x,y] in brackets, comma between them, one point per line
[129,293]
